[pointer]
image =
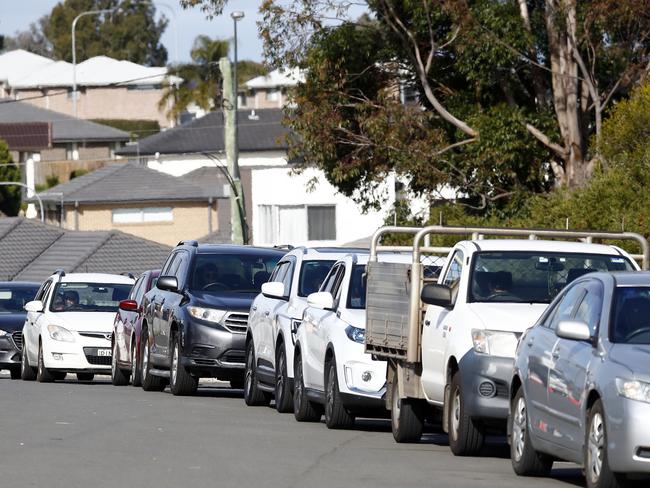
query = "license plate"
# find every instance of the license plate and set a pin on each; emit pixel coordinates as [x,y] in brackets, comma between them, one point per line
[104,352]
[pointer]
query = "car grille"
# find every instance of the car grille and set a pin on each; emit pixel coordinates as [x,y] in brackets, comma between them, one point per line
[18,339]
[232,356]
[502,389]
[96,360]
[236,322]
[97,335]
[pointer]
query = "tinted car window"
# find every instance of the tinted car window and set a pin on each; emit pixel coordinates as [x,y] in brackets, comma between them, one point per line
[631,317]
[13,300]
[590,308]
[88,297]
[312,274]
[455,269]
[533,277]
[231,272]
[567,306]
[357,291]
[136,288]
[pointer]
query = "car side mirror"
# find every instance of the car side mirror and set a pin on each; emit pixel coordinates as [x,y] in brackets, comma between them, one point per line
[436,294]
[34,306]
[321,299]
[129,305]
[273,289]
[168,283]
[574,330]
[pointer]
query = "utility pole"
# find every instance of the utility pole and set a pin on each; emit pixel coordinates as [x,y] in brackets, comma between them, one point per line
[237,205]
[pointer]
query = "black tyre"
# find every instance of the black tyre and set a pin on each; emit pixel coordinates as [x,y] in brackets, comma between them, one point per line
[303,409]
[406,416]
[253,396]
[27,372]
[149,381]
[525,460]
[181,383]
[336,416]
[15,373]
[85,377]
[119,377]
[466,435]
[596,464]
[136,365]
[283,394]
[43,375]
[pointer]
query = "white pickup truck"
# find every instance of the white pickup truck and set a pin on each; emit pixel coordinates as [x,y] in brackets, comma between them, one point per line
[450,343]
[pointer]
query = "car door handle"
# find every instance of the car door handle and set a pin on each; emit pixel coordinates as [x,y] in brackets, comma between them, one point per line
[427,322]
[529,343]
[254,309]
[555,354]
[267,313]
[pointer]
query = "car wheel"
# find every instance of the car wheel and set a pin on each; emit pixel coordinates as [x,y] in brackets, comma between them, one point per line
[596,464]
[182,383]
[304,410]
[136,366]
[526,461]
[27,373]
[336,416]
[118,376]
[283,394]
[466,435]
[43,375]
[15,373]
[406,416]
[253,396]
[85,377]
[149,381]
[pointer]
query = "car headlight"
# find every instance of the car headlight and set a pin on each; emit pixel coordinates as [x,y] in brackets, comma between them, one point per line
[634,390]
[207,314]
[355,334]
[495,342]
[59,333]
[3,332]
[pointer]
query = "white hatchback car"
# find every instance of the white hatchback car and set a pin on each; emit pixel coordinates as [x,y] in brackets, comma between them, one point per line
[333,374]
[69,325]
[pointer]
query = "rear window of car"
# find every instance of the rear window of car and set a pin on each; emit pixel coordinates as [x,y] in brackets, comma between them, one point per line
[89,297]
[232,273]
[13,300]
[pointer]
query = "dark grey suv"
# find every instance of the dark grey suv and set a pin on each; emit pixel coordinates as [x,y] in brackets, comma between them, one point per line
[195,318]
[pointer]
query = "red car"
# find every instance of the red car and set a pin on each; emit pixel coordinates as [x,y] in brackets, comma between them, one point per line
[127,355]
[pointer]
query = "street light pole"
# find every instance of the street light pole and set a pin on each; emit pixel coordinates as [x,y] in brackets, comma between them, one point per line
[27,187]
[74,51]
[236,16]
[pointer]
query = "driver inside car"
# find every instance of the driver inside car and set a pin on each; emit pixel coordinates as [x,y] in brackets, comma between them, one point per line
[70,300]
[207,275]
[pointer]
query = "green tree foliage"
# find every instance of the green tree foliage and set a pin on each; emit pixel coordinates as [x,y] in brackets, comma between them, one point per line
[131,32]
[10,196]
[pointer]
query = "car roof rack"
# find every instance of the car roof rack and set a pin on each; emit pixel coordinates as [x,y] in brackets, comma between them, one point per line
[284,246]
[189,243]
[60,272]
[129,274]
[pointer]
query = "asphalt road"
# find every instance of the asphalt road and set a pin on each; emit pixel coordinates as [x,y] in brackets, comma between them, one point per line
[96,435]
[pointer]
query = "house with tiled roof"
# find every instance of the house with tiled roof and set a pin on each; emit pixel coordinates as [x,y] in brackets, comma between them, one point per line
[32,251]
[144,202]
[283,206]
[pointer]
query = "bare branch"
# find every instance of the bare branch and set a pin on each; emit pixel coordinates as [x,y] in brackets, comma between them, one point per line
[543,138]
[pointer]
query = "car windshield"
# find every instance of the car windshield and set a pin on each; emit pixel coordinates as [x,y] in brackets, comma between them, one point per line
[88,297]
[357,291]
[312,274]
[13,300]
[232,273]
[533,277]
[631,317]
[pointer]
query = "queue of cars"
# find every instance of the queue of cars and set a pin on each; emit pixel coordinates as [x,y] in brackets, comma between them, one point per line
[544,340]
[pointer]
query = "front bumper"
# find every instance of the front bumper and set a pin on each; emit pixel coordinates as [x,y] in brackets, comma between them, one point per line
[211,351]
[79,356]
[485,382]
[628,436]
[9,352]
[362,381]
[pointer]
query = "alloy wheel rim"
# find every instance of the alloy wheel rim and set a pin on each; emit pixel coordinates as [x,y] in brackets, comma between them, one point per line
[248,377]
[519,428]
[23,360]
[40,361]
[279,383]
[396,406]
[298,396]
[455,414]
[145,359]
[134,360]
[114,361]
[175,364]
[330,392]
[595,447]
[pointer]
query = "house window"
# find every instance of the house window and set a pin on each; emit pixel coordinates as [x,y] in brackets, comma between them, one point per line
[272,95]
[142,215]
[296,224]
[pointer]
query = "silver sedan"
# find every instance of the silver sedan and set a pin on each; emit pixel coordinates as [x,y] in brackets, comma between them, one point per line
[581,383]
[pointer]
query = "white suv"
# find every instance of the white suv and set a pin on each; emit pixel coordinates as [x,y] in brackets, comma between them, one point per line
[333,374]
[69,326]
[274,317]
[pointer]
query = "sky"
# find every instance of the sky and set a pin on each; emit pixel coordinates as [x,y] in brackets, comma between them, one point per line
[16,15]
